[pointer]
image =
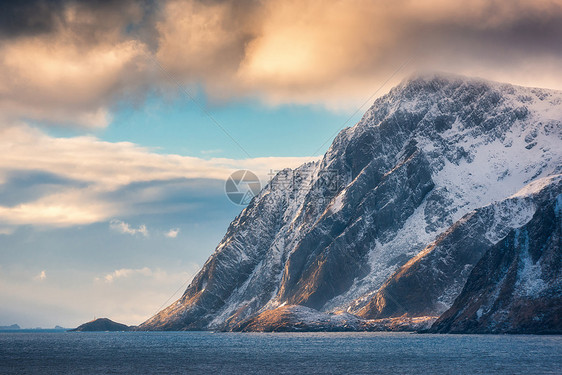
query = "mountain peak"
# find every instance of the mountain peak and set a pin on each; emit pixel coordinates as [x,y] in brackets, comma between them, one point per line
[423,158]
[434,80]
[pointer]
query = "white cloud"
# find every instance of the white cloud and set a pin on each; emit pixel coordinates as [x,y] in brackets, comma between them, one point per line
[122,227]
[41,276]
[65,208]
[172,233]
[209,152]
[96,169]
[126,273]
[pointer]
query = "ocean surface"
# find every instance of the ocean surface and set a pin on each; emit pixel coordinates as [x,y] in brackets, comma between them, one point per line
[276,353]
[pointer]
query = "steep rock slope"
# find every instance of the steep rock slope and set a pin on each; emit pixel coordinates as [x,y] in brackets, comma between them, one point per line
[517,285]
[429,283]
[328,234]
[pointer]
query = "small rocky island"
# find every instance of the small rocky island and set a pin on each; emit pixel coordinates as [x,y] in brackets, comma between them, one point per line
[101,325]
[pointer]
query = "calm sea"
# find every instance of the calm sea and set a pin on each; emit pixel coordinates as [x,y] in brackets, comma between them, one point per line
[276,353]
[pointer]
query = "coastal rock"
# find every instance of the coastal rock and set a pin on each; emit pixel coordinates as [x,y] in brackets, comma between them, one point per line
[101,324]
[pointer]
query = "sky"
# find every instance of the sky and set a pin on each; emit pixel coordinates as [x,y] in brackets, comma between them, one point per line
[121,120]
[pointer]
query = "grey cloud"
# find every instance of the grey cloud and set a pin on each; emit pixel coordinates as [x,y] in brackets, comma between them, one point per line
[22,186]
[29,17]
[37,17]
[180,197]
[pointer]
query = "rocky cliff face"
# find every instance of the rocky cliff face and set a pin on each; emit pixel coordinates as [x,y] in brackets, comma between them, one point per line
[517,285]
[429,283]
[327,235]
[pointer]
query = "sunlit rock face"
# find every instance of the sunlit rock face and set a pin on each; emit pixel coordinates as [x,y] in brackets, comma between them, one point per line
[404,180]
[294,318]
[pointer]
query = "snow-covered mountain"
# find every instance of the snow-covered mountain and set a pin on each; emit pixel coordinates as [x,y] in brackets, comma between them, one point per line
[387,195]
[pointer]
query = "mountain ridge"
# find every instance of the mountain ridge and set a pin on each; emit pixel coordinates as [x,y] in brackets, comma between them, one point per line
[327,235]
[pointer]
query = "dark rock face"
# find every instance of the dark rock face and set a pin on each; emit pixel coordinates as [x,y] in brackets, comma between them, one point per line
[429,282]
[328,234]
[101,324]
[517,285]
[341,240]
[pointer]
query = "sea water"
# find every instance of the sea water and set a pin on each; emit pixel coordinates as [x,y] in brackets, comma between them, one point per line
[276,353]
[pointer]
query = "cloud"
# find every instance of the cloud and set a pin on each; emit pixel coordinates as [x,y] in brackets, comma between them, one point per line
[58,80]
[172,233]
[122,227]
[208,36]
[294,51]
[90,19]
[19,18]
[69,62]
[41,276]
[209,152]
[126,273]
[23,186]
[83,180]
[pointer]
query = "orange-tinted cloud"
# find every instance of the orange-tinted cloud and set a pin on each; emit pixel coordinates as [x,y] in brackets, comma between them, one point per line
[338,52]
[73,67]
